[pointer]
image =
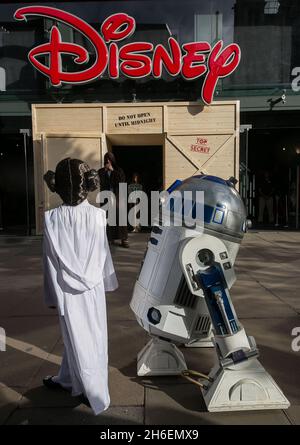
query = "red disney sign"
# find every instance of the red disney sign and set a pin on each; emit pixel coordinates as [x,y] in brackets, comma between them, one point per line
[134,60]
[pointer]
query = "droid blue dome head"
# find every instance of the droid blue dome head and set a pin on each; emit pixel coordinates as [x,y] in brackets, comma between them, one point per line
[224,210]
[231,182]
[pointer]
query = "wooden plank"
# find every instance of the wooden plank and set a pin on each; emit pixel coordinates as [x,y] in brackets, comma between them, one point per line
[186,155]
[68,119]
[48,152]
[237,141]
[165,119]
[223,163]
[78,134]
[215,104]
[183,121]
[135,139]
[199,118]
[104,119]
[199,148]
[133,120]
[176,166]
[38,184]
[33,113]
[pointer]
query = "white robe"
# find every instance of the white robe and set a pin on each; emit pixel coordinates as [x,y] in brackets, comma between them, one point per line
[78,269]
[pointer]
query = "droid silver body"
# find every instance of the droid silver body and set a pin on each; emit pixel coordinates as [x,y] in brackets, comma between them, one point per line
[182,295]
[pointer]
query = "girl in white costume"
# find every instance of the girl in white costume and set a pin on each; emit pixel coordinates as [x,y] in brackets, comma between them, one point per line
[78,269]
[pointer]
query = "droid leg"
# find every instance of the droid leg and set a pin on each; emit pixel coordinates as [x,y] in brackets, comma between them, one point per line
[203,342]
[239,381]
[160,357]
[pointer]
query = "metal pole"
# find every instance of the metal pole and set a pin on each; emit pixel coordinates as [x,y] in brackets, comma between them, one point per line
[286,212]
[246,128]
[250,197]
[254,196]
[26,133]
[297,198]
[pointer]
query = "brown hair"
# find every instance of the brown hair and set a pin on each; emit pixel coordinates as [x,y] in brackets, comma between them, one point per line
[109,156]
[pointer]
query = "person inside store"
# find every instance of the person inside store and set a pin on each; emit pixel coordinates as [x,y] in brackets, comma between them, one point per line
[266,198]
[281,194]
[1,211]
[78,270]
[111,176]
[133,187]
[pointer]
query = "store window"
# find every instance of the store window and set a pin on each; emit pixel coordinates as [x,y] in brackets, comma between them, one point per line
[267,31]
[16,74]
[272,7]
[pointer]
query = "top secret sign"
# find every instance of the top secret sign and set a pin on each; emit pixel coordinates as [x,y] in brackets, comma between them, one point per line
[134,60]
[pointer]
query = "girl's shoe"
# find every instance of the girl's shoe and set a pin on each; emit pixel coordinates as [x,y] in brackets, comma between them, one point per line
[49,383]
[125,243]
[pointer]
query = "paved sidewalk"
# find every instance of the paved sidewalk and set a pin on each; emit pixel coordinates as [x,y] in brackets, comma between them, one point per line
[266,298]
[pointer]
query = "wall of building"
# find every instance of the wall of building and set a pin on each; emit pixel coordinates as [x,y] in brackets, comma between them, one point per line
[195,139]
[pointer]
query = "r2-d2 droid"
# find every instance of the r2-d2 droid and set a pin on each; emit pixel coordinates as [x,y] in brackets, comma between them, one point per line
[183,290]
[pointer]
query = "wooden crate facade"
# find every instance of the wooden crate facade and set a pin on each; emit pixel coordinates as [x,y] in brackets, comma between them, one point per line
[194,138]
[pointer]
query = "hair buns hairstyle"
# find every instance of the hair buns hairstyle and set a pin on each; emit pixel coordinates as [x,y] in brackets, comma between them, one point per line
[72,180]
[49,178]
[91,178]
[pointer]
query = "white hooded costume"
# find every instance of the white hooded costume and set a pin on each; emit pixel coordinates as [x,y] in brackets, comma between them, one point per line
[78,269]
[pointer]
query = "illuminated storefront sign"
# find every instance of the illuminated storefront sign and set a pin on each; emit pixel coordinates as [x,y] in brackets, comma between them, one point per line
[134,60]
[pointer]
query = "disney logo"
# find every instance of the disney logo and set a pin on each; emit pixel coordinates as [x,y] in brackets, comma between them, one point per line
[134,60]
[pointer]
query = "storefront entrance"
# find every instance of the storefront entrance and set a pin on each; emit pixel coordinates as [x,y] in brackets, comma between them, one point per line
[163,141]
[148,165]
[270,160]
[143,164]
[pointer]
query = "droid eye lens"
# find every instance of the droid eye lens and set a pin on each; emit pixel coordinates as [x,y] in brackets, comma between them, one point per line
[154,315]
[206,257]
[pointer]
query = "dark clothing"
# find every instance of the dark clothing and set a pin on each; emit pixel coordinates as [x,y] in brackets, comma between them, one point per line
[111,182]
[1,212]
[266,187]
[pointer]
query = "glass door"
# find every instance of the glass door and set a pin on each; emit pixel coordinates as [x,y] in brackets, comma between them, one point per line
[293,204]
[247,179]
[16,184]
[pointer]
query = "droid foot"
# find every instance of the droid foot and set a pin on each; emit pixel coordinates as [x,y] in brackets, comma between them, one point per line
[160,357]
[249,387]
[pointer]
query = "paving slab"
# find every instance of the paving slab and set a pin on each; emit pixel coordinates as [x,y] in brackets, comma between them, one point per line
[118,304]
[80,415]
[293,414]
[251,300]
[29,340]
[266,299]
[184,405]
[199,359]
[272,260]
[9,401]
[127,266]
[273,337]
[125,340]
[37,396]
[125,390]
[24,303]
